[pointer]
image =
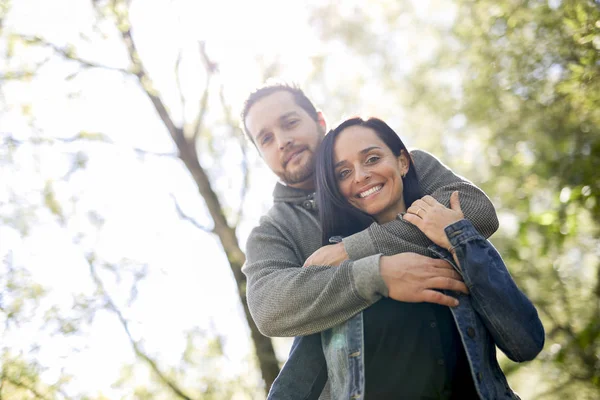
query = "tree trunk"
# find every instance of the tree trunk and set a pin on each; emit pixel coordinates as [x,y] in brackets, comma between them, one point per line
[269,365]
[187,153]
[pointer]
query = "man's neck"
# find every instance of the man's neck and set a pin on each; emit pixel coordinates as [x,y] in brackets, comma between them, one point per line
[308,184]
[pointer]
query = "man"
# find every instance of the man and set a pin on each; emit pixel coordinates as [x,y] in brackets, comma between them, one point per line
[288,300]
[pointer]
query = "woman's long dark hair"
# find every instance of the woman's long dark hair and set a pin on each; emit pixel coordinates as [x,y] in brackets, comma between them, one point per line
[338,217]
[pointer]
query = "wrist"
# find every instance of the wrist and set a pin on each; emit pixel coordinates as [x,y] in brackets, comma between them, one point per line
[383,272]
[342,250]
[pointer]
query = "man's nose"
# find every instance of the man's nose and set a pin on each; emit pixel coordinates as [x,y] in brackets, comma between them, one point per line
[284,140]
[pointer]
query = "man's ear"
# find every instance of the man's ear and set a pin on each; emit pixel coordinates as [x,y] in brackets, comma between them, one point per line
[321,120]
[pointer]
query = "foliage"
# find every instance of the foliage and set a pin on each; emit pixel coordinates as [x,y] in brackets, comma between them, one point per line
[518,83]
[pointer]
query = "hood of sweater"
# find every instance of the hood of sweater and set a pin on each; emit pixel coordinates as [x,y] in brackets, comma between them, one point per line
[287,194]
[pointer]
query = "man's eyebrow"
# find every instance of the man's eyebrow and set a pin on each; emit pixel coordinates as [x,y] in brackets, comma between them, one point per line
[362,152]
[280,119]
[287,115]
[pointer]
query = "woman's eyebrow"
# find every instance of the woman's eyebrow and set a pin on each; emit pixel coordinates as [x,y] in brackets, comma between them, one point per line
[339,163]
[362,152]
[368,149]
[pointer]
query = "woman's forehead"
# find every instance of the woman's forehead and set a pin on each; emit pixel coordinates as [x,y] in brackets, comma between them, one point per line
[355,141]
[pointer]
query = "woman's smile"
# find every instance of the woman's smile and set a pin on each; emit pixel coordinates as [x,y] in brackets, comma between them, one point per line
[369,192]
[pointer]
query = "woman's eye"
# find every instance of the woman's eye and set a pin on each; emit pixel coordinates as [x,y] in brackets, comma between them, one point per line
[342,174]
[372,159]
[292,123]
[265,139]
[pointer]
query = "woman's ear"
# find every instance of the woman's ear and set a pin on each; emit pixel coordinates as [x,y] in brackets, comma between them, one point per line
[403,162]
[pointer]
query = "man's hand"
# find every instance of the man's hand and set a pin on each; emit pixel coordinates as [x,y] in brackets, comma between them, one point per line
[412,278]
[332,254]
[432,218]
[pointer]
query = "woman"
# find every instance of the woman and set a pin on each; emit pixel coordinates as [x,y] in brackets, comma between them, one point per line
[396,350]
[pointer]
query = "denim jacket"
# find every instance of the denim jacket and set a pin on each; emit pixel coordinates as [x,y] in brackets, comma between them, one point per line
[495,313]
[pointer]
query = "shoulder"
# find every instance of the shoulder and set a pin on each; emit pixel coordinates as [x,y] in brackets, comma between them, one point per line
[271,220]
[421,156]
[280,218]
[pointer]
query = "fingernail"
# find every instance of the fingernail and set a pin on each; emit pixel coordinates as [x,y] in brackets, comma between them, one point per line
[455,303]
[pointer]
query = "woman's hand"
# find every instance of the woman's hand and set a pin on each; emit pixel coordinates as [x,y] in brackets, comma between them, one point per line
[431,218]
[332,254]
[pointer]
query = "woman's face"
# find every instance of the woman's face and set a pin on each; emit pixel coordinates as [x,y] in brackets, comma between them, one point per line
[368,174]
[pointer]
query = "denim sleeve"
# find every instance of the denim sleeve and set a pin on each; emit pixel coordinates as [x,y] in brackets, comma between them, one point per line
[304,374]
[508,314]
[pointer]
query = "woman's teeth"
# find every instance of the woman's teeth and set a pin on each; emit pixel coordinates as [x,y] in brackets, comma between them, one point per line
[370,191]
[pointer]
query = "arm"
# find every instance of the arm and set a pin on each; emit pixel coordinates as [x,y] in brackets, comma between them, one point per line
[439,182]
[508,314]
[288,300]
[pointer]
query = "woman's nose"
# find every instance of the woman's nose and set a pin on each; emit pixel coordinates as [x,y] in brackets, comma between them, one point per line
[361,174]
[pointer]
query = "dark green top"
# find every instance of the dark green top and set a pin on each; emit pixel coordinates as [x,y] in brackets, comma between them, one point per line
[414,351]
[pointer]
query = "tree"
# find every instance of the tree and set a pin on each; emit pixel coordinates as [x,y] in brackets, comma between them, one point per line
[188,135]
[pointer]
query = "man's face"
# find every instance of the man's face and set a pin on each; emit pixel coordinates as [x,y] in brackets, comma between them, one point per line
[286,137]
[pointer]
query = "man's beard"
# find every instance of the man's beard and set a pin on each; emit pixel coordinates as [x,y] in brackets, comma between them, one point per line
[301,173]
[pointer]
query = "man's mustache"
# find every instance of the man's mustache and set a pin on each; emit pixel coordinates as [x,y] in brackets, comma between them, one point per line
[291,153]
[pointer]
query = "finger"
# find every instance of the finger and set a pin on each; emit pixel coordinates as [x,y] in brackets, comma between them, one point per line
[445,273]
[421,204]
[414,211]
[439,263]
[455,202]
[447,283]
[432,296]
[430,201]
[413,219]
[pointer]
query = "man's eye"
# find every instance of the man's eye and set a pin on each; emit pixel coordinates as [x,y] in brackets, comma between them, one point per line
[373,159]
[265,139]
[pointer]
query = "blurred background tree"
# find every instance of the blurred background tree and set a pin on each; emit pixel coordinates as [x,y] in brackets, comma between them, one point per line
[508,93]
[106,119]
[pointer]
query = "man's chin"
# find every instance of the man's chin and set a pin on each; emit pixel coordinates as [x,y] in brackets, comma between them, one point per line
[299,180]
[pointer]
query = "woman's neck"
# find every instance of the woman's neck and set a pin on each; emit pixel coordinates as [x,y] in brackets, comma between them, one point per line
[391,213]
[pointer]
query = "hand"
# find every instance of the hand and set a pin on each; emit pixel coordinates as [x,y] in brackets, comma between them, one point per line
[432,217]
[332,254]
[412,278]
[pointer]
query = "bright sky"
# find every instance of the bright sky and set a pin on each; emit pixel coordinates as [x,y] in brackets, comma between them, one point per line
[188,283]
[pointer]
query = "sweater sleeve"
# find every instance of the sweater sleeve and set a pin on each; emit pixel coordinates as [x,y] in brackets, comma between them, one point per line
[288,300]
[438,181]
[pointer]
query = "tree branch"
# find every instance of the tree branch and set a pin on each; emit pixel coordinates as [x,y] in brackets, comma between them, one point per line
[179,89]
[210,68]
[69,54]
[237,132]
[22,385]
[110,305]
[186,217]
[145,81]
[83,136]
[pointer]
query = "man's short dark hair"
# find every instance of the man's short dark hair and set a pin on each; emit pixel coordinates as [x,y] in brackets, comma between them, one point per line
[270,88]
